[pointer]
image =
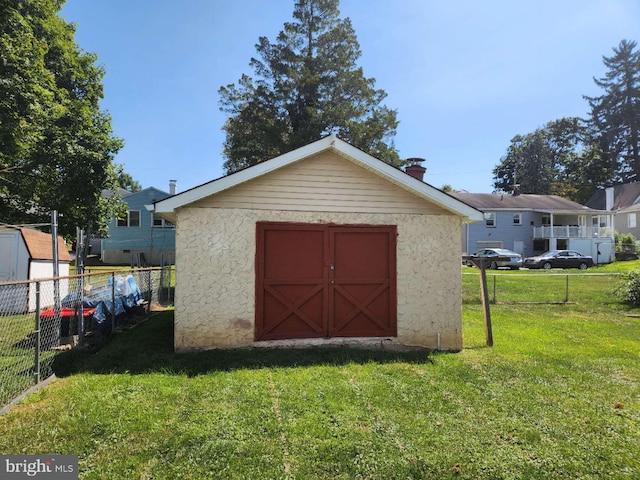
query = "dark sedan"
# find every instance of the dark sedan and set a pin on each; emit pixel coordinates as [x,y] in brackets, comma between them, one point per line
[559,259]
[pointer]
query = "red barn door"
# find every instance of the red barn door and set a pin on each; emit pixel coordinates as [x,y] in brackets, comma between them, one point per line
[325,281]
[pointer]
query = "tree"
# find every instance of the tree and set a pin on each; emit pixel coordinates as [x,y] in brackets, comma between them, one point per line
[615,115]
[307,86]
[125,180]
[557,159]
[56,145]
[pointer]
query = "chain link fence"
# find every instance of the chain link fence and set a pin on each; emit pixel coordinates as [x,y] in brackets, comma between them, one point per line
[543,288]
[41,318]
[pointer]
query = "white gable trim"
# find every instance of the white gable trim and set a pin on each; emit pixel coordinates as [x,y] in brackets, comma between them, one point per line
[403,180]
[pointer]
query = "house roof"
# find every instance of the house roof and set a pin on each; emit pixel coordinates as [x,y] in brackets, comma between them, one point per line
[542,203]
[112,193]
[148,189]
[394,175]
[629,209]
[624,196]
[126,193]
[39,245]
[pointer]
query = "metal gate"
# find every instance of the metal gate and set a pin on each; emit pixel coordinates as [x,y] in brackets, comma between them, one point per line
[325,281]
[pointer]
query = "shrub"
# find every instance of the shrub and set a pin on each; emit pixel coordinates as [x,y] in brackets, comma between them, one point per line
[625,242]
[630,288]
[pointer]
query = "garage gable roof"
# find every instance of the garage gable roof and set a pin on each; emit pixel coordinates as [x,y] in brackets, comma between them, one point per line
[330,143]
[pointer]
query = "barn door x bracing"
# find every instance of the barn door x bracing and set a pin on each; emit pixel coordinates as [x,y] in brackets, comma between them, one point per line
[325,281]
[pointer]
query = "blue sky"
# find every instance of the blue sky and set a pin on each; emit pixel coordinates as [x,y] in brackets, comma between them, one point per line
[465,76]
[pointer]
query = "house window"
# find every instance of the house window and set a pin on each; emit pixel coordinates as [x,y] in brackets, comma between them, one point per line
[600,221]
[131,219]
[490,219]
[631,220]
[517,219]
[159,222]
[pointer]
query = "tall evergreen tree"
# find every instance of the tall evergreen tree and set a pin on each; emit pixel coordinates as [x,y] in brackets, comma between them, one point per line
[615,115]
[56,144]
[307,86]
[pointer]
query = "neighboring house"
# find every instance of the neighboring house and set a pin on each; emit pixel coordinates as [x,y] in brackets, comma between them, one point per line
[533,224]
[140,237]
[624,202]
[27,254]
[95,240]
[322,245]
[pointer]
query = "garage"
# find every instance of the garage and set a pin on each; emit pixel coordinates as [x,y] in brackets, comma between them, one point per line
[324,245]
[325,281]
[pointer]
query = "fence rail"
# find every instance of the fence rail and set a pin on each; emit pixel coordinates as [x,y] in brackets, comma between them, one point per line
[572,231]
[543,288]
[41,318]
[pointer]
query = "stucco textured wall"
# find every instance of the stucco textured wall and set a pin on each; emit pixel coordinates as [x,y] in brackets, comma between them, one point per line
[215,259]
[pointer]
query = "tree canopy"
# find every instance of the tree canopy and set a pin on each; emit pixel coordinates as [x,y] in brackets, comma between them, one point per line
[557,159]
[573,157]
[307,86]
[56,144]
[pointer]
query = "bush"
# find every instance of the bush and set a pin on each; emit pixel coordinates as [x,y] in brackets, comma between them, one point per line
[630,289]
[626,242]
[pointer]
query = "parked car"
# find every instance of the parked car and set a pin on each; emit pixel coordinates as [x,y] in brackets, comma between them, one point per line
[499,257]
[559,259]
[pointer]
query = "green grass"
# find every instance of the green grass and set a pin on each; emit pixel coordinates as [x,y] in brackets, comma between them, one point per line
[558,396]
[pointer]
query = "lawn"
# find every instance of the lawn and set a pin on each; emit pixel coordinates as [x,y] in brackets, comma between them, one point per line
[558,396]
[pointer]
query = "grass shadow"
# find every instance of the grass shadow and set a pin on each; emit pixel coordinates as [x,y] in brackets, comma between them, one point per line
[148,348]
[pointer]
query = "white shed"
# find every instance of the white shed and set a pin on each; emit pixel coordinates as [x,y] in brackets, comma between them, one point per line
[27,254]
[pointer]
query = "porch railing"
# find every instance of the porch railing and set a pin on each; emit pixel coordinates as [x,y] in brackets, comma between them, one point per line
[572,231]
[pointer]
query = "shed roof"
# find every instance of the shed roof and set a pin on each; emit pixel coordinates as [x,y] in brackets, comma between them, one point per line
[39,245]
[167,207]
[498,201]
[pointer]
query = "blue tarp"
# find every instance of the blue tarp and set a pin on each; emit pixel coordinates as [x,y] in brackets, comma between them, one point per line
[127,296]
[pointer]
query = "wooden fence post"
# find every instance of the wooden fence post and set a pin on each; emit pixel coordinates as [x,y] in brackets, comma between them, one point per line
[485,302]
[481,263]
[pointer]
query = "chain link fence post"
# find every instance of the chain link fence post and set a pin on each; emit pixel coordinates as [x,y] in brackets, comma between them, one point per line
[149,289]
[80,313]
[37,336]
[113,302]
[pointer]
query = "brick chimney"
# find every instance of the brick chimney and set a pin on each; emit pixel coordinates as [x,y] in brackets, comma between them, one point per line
[172,187]
[415,169]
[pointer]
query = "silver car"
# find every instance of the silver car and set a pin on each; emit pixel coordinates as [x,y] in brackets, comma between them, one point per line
[499,258]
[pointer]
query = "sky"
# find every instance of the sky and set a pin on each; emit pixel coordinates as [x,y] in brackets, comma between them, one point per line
[465,76]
